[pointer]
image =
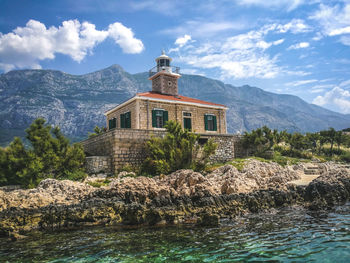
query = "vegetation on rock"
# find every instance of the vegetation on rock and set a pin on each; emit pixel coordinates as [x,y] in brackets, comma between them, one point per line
[49,156]
[264,141]
[179,149]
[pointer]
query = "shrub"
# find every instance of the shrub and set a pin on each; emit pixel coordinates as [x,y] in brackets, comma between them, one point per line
[50,156]
[179,149]
[345,157]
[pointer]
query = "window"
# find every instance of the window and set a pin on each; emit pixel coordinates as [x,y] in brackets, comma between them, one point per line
[187,120]
[112,123]
[164,62]
[159,118]
[210,122]
[125,120]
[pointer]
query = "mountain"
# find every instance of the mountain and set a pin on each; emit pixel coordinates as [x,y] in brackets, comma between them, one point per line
[77,103]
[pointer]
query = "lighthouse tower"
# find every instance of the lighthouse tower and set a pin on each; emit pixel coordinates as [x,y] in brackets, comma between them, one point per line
[164,77]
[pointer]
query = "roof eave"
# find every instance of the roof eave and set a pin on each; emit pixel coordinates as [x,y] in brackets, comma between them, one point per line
[184,102]
[120,105]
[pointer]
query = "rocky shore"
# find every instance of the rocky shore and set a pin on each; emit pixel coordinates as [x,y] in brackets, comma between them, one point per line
[179,198]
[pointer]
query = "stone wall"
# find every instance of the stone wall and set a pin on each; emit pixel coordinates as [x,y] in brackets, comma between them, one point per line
[141,115]
[130,107]
[175,112]
[165,83]
[98,164]
[127,146]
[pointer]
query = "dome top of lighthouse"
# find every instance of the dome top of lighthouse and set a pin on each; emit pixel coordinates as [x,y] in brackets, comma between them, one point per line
[163,56]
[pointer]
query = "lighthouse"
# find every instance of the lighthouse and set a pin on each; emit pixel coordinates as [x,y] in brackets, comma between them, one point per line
[164,76]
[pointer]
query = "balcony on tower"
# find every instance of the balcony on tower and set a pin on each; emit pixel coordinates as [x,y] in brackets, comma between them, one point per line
[164,65]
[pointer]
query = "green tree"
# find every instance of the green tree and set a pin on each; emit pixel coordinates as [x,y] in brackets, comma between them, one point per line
[178,149]
[297,142]
[259,140]
[97,131]
[3,167]
[312,140]
[339,139]
[50,156]
[329,136]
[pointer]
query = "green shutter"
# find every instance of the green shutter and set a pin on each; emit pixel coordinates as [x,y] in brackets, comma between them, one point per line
[154,121]
[122,121]
[165,116]
[128,120]
[206,122]
[187,124]
[112,123]
[215,126]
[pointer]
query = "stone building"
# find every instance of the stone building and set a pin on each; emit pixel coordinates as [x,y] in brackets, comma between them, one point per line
[151,110]
[136,120]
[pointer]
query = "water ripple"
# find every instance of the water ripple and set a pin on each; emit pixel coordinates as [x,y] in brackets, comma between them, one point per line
[287,236]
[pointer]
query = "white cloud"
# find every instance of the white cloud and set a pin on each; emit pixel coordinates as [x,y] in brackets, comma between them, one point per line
[278,42]
[320,88]
[288,4]
[337,99]
[26,46]
[300,45]
[345,83]
[317,37]
[299,73]
[345,40]
[301,82]
[334,20]
[192,71]
[181,41]
[165,7]
[340,31]
[204,29]
[295,26]
[124,37]
[240,56]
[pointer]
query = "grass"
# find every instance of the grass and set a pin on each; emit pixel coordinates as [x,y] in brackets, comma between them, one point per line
[238,163]
[99,183]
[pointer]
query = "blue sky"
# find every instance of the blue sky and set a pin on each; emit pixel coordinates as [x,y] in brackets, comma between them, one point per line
[299,47]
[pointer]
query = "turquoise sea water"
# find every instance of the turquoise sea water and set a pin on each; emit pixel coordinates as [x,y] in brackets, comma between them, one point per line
[290,235]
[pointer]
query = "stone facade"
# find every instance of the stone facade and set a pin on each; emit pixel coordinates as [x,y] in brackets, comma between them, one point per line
[141,115]
[98,164]
[165,84]
[127,147]
[131,107]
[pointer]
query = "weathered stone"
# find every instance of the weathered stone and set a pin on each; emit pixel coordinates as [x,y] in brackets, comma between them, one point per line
[181,197]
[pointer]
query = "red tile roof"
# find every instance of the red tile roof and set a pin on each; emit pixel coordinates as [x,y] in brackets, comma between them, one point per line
[179,98]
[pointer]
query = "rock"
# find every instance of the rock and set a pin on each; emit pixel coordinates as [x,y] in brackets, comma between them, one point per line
[184,196]
[331,188]
[208,219]
[48,192]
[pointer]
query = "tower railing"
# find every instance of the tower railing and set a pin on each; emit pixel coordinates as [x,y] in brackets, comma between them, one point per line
[171,69]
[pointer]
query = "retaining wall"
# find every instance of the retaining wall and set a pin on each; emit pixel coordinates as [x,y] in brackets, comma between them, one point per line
[127,146]
[98,164]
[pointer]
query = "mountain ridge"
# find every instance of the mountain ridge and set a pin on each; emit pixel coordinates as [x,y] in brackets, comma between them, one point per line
[76,103]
